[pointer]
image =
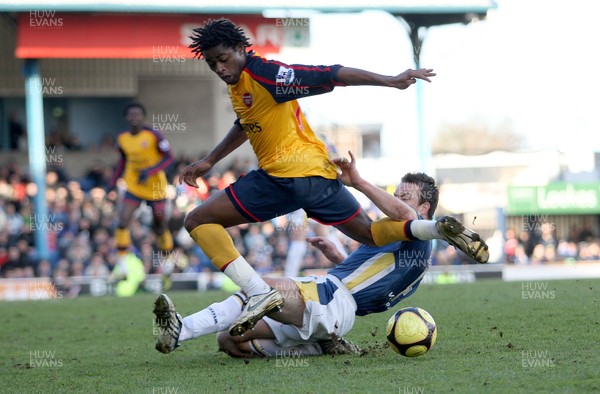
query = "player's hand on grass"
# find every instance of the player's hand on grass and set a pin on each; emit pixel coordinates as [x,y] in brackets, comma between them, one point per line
[192,172]
[410,76]
[349,175]
[327,248]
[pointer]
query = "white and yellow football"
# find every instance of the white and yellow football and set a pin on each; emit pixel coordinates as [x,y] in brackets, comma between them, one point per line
[411,331]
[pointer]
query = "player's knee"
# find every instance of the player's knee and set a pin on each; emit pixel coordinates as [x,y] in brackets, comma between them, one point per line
[191,221]
[158,218]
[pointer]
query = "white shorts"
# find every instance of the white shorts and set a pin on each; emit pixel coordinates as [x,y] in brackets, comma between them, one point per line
[330,309]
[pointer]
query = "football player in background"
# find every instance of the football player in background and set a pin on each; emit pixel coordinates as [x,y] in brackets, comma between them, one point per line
[145,154]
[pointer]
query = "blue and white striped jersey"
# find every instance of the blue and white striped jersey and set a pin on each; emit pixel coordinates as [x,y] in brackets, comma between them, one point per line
[379,277]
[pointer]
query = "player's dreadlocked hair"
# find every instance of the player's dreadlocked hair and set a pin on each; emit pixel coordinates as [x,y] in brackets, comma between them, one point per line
[216,32]
[429,190]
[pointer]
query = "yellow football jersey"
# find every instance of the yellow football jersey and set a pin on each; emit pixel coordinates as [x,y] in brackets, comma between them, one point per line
[264,100]
[147,151]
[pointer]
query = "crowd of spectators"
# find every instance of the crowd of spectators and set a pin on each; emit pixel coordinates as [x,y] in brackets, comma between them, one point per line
[538,244]
[81,219]
[533,243]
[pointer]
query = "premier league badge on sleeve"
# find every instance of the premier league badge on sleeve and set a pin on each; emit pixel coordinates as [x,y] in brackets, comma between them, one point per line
[285,76]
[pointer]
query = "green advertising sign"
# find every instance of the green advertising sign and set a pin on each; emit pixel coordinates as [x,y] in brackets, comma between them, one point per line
[555,198]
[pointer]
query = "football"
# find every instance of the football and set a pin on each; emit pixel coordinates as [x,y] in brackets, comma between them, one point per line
[411,331]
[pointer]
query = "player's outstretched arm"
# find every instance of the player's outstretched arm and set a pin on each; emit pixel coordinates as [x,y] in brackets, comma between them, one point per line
[355,76]
[390,205]
[232,140]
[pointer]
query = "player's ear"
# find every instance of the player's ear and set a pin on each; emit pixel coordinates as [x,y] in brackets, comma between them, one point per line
[240,49]
[424,209]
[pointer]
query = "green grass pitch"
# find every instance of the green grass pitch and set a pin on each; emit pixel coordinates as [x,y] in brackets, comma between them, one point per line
[493,337]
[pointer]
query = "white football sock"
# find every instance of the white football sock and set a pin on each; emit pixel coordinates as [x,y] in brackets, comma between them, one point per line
[424,229]
[243,275]
[217,317]
[270,348]
[294,259]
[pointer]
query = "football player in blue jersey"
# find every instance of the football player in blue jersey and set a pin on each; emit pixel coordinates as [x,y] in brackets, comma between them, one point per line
[318,311]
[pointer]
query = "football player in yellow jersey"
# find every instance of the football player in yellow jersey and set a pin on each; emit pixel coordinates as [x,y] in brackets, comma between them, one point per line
[295,171]
[145,154]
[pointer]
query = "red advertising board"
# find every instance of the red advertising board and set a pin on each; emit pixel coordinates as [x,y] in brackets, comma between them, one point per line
[48,34]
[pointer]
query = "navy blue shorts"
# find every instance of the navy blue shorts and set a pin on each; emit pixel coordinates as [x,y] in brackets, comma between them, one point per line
[260,197]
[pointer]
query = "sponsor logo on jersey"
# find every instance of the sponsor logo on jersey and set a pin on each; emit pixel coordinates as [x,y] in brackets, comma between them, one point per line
[247,99]
[252,127]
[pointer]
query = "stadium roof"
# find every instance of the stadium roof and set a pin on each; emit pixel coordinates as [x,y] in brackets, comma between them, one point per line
[40,42]
[396,7]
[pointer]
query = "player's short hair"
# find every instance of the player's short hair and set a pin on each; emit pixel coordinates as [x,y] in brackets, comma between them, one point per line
[216,32]
[134,105]
[429,191]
